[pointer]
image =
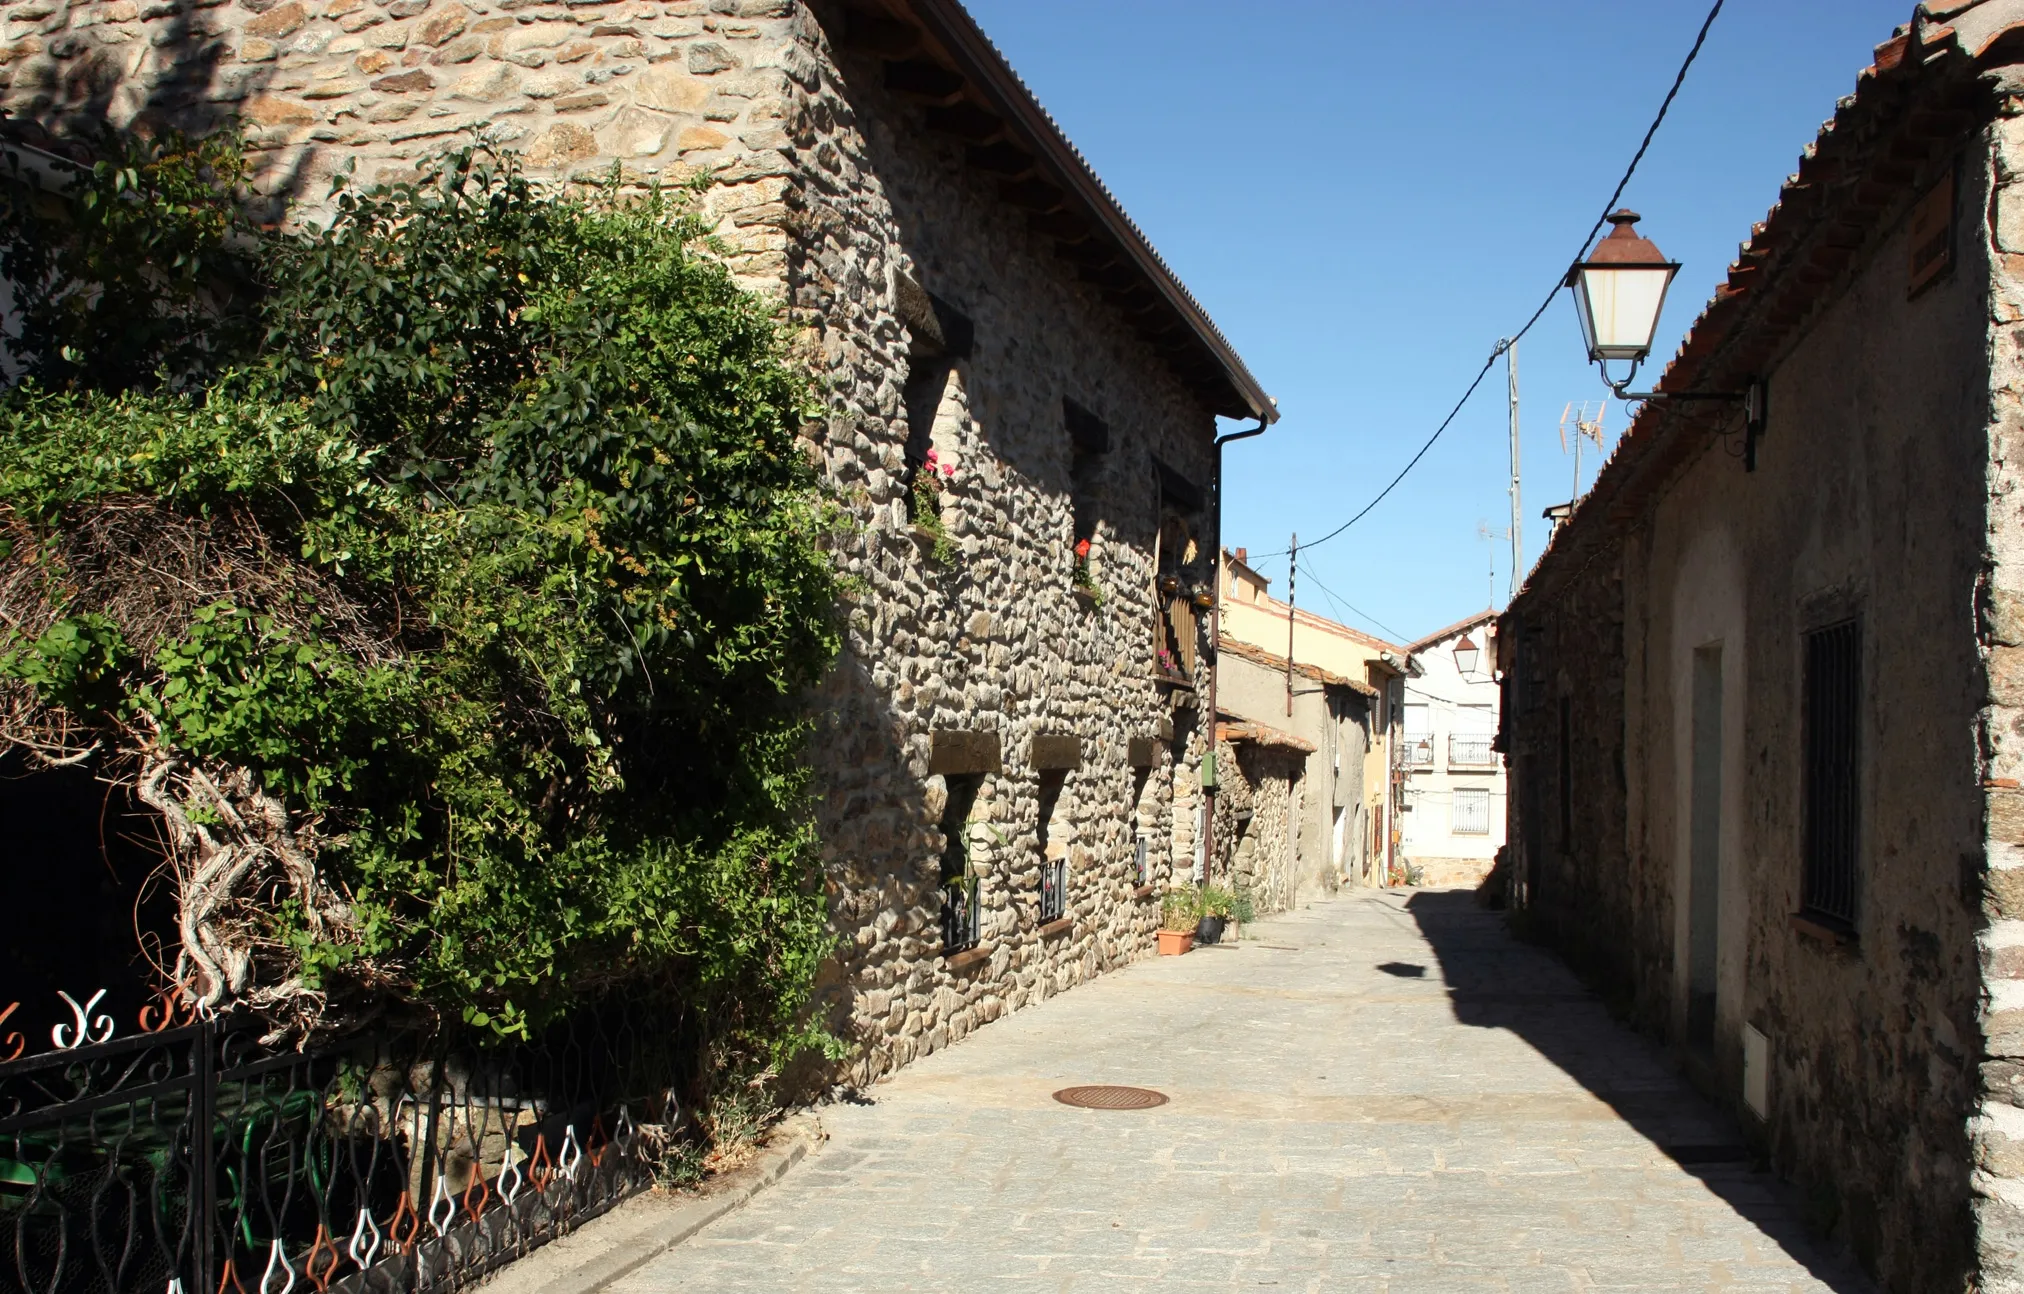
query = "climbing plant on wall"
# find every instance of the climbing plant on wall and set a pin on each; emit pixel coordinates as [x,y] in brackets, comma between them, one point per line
[448,576]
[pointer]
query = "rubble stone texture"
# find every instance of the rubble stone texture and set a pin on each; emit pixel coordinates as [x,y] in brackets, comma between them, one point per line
[829,194]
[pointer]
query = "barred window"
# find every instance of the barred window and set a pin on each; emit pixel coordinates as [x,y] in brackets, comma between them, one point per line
[1831,731]
[1471,809]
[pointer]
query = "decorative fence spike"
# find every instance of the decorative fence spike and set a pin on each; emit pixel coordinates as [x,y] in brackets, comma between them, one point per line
[89,1029]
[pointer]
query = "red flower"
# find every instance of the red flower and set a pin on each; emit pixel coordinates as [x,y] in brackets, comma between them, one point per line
[1082,549]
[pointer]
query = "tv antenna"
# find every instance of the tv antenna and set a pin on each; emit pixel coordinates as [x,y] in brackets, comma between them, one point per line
[1586,417]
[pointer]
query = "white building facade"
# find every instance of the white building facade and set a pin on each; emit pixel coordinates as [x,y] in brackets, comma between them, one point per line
[1452,777]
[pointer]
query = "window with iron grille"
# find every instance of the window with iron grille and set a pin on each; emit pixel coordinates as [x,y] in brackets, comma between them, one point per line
[1054,889]
[1831,729]
[1471,810]
[961,909]
[1142,859]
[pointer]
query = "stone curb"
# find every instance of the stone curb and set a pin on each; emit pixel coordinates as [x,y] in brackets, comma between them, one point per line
[639,1246]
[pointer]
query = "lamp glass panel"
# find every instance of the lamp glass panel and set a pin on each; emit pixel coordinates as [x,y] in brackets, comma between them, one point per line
[1620,308]
[1465,659]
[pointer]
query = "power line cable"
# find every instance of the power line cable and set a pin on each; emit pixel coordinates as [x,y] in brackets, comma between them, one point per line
[1341,603]
[1505,344]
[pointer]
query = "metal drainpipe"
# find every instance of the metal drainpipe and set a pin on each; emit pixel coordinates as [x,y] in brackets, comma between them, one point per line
[1216,646]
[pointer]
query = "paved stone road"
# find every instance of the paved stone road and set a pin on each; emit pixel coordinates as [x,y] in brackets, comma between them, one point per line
[1381,1092]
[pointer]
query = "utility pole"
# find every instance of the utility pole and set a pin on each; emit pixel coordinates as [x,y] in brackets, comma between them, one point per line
[1510,349]
[1292,567]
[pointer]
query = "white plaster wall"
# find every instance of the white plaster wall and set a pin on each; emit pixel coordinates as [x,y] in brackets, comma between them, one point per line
[1430,842]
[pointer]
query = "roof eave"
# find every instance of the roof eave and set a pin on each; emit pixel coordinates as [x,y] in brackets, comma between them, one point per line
[951,25]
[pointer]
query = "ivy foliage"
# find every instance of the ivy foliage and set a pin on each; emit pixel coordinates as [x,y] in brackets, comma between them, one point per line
[546,447]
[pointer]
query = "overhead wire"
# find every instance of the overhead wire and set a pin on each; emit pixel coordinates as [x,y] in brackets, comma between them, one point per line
[1679,79]
[1341,603]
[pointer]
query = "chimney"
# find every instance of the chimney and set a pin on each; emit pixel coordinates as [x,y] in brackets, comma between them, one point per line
[1242,553]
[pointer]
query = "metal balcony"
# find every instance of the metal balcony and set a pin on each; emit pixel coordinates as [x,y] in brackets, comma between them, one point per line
[1472,752]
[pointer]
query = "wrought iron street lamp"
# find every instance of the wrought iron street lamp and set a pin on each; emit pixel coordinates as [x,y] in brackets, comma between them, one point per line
[1619,292]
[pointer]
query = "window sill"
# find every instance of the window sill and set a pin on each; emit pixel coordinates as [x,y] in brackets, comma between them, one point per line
[1144,891]
[1058,926]
[1825,931]
[968,957]
[1174,680]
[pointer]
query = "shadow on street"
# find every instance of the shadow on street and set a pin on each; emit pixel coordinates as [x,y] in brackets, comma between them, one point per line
[1496,982]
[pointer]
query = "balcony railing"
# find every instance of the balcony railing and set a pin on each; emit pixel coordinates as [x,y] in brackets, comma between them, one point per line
[1416,752]
[1471,752]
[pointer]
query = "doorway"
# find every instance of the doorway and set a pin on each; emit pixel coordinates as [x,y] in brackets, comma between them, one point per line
[1704,849]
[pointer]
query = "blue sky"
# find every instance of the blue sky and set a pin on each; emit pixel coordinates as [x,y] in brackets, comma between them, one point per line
[1367,197]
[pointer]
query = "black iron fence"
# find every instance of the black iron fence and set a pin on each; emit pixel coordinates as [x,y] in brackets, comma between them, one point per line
[188,1158]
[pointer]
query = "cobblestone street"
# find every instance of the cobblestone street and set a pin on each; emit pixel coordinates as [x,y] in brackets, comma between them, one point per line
[1381,1092]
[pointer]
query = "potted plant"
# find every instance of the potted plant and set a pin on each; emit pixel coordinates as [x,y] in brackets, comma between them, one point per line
[1222,907]
[1180,914]
[924,507]
[1085,582]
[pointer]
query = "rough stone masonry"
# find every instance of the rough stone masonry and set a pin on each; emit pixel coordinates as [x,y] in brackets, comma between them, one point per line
[936,313]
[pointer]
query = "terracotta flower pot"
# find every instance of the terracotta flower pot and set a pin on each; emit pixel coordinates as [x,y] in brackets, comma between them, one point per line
[1175,942]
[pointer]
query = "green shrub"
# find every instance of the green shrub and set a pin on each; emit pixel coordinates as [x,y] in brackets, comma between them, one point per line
[543,592]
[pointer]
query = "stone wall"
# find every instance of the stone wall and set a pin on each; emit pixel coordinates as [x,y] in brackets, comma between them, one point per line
[1999,1125]
[1690,618]
[1258,810]
[663,89]
[1000,643]
[1332,718]
[832,195]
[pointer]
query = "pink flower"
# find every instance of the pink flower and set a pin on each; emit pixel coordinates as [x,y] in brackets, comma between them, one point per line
[948,471]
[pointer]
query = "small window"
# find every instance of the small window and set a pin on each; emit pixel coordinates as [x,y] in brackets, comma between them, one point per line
[1053,871]
[1053,890]
[961,908]
[1831,729]
[1471,812]
[1175,630]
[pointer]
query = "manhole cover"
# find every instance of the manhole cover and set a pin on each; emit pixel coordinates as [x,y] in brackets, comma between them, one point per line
[1111,1098]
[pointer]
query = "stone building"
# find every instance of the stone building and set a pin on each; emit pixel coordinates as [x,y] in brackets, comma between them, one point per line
[1351,831]
[1297,741]
[1762,704]
[1009,767]
[1454,778]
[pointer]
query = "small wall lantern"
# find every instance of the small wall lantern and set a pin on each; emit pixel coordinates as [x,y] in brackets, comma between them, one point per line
[1465,655]
[1619,292]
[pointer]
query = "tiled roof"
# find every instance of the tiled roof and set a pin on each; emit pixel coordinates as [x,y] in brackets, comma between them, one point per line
[1259,734]
[1885,143]
[1460,626]
[1259,656]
